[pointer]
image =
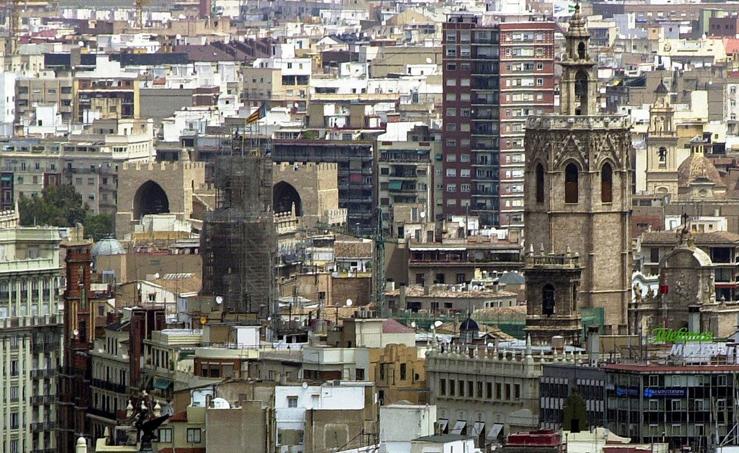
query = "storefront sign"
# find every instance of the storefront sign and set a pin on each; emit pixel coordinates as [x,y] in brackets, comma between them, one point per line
[663,335]
[667,392]
[623,392]
[703,352]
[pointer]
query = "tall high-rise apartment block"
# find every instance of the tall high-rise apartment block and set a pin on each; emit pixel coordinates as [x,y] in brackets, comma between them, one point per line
[496,73]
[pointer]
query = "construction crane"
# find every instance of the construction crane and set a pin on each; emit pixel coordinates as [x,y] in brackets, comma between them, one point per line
[379,266]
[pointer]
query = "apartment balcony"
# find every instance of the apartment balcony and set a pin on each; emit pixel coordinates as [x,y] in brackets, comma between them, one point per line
[26,320]
[45,400]
[42,426]
[45,373]
[357,199]
[105,385]
[101,413]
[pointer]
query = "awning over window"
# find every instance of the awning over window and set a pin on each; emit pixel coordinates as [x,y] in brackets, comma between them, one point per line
[442,423]
[494,431]
[477,429]
[458,427]
[162,384]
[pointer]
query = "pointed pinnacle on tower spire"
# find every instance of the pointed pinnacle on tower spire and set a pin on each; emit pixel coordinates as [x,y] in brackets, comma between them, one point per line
[577,23]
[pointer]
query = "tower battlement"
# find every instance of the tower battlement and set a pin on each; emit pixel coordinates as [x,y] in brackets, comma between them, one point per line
[568,261]
[579,122]
[314,166]
[163,166]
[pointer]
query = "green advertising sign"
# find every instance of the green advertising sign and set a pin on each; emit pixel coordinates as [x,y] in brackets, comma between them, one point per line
[664,335]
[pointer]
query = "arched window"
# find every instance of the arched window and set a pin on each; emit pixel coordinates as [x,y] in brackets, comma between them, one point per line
[547,300]
[571,183]
[539,183]
[606,183]
[581,93]
[581,50]
[662,156]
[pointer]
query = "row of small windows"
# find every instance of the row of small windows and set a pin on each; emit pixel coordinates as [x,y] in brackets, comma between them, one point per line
[477,389]
[572,182]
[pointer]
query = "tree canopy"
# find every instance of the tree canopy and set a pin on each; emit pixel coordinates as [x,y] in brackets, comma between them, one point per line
[575,416]
[62,206]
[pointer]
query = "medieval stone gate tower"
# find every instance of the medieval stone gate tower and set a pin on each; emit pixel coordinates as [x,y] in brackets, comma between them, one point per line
[578,184]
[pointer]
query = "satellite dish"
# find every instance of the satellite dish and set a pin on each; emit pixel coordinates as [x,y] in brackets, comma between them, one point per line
[305,385]
[75,332]
[219,300]
[220,403]
[437,323]
[349,302]
[413,324]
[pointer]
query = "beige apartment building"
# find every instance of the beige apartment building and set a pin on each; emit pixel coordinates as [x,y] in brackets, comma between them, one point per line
[30,333]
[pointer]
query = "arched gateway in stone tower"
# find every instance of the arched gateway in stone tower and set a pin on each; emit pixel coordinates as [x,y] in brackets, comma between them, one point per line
[156,188]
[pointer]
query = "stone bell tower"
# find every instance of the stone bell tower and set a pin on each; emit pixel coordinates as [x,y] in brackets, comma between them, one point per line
[578,185]
[662,152]
[578,85]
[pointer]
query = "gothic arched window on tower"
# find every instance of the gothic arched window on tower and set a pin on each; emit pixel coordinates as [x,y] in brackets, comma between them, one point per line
[539,183]
[606,183]
[547,300]
[581,51]
[571,183]
[662,156]
[581,93]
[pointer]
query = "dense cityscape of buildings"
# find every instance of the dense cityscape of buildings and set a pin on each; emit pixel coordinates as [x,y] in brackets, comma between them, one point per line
[368,226]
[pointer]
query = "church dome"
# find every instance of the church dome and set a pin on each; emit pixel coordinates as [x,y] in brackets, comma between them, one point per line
[468,325]
[695,168]
[107,247]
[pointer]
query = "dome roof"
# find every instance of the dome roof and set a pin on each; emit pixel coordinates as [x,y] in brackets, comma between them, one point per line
[696,167]
[107,247]
[661,88]
[468,324]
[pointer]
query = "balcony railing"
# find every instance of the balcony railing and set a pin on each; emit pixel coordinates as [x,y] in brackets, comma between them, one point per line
[42,426]
[43,373]
[101,413]
[38,400]
[105,385]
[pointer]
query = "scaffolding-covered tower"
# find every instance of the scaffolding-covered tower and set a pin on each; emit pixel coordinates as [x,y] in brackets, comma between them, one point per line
[238,243]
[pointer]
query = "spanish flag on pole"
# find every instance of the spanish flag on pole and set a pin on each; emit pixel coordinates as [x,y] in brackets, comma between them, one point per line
[257,114]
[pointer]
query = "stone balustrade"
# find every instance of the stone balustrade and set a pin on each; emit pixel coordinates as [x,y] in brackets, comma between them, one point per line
[584,122]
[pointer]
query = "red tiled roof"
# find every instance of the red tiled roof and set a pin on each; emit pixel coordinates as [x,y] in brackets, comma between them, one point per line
[393,326]
[731,45]
[45,34]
